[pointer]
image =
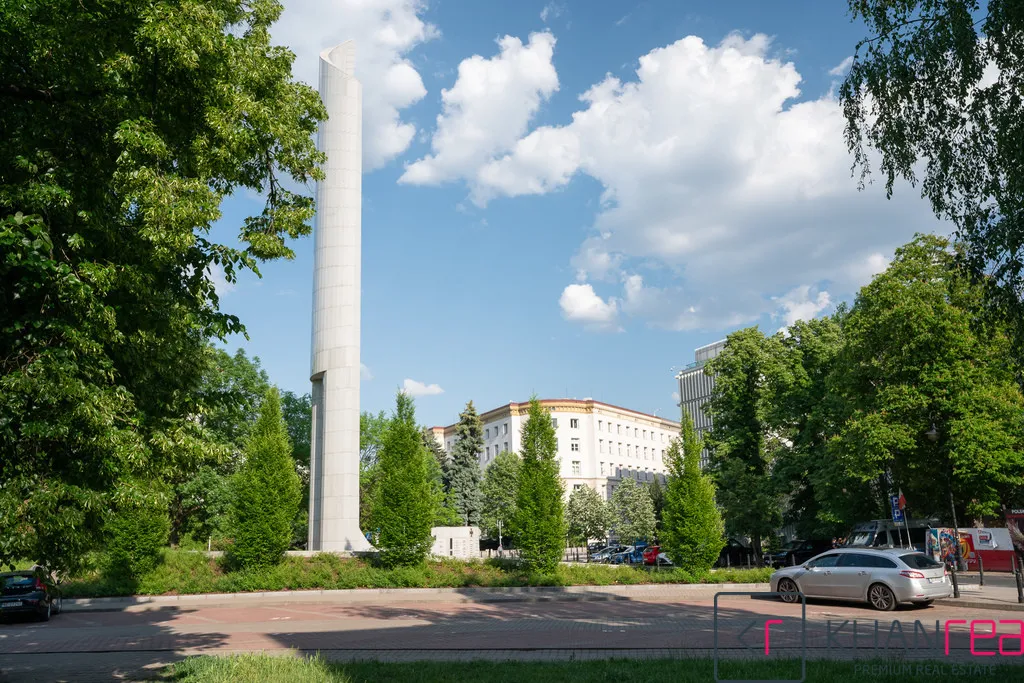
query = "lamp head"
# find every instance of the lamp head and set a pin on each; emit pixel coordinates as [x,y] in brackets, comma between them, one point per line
[932,434]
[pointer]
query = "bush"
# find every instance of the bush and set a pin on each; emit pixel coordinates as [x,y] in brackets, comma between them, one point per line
[136,536]
[266,492]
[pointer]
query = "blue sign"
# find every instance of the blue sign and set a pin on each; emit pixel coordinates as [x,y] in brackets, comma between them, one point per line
[897,514]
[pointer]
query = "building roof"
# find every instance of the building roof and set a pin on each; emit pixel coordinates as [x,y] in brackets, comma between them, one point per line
[585,405]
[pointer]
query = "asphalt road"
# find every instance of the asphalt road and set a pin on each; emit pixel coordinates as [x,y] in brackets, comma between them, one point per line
[133,645]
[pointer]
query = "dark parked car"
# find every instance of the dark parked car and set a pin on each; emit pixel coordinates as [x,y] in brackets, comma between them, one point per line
[798,552]
[605,554]
[735,553]
[32,592]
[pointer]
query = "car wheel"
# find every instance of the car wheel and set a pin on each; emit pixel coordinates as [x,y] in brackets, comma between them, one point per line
[60,604]
[881,597]
[789,591]
[45,616]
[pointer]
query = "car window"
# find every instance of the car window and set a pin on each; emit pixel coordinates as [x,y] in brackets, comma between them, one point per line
[18,581]
[881,538]
[919,561]
[824,561]
[861,538]
[854,560]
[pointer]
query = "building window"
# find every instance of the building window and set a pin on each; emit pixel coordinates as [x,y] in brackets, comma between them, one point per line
[505,445]
[629,451]
[620,429]
[574,445]
[554,422]
[602,468]
[600,424]
[487,433]
[663,437]
[574,423]
[504,428]
[620,448]
[576,468]
[488,451]
[645,435]
[645,452]
[577,487]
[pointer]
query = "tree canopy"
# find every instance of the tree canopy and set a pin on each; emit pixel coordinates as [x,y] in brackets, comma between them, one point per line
[125,125]
[539,526]
[464,467]
[935,89]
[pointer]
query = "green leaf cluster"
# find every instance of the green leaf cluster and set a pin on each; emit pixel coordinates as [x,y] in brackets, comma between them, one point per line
[632,512]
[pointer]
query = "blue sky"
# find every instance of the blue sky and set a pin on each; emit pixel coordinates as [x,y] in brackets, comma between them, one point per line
[528,241]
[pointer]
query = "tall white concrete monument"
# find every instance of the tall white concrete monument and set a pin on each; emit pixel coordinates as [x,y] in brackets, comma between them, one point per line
[334,462]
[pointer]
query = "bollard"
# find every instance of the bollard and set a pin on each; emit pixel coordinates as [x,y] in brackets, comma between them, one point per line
[1016,574]
[727,556]
[956,586]
[981,571]
[792,560]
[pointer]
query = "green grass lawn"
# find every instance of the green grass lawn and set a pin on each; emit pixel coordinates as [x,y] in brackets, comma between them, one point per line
[269,669]
[181,572]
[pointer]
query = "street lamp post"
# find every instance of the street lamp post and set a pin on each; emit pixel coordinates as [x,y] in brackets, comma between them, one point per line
[933,436]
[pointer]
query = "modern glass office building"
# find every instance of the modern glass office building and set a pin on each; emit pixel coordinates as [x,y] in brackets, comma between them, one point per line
[695,389]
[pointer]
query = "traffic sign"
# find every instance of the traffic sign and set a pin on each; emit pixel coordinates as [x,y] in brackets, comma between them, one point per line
[897,514]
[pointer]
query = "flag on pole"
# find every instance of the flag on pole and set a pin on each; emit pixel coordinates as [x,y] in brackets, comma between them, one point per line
[902,501]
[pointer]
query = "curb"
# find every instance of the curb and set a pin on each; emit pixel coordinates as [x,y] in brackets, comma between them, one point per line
[981,604]
[362,595]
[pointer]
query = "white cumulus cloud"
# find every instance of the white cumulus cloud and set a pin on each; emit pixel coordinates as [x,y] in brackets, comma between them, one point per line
[414,388]
[798,304]
[724,188]
[840,69]
[580,303]
[487,110]
[385,31]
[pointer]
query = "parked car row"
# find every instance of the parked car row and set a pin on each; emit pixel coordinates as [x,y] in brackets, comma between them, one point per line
[640,553]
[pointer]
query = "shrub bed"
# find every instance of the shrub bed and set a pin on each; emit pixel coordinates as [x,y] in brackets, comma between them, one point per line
[181,572]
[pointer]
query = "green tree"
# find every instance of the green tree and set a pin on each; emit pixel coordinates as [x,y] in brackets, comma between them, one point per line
[372,428]
[748,375]
[500,490]
[229,394]
[539,526]
[464,467]
[914,357]
[124,126]
[936,87]
[136,533]
[446,514]
[804,415]
[404,507]
[205,504]
[587,516]
[265,496]
[657,493]
[692,531]
[633,512]
[298,418]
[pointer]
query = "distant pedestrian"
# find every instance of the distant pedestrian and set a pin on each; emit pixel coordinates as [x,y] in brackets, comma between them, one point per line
[835,542]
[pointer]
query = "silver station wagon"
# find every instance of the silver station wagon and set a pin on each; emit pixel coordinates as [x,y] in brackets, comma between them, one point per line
[881,577]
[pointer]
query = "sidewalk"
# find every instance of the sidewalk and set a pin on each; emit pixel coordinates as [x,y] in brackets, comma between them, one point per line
[999,592]
[644,592]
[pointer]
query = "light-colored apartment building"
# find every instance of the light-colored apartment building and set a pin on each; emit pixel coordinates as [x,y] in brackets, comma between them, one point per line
[695,387]
[598,443]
